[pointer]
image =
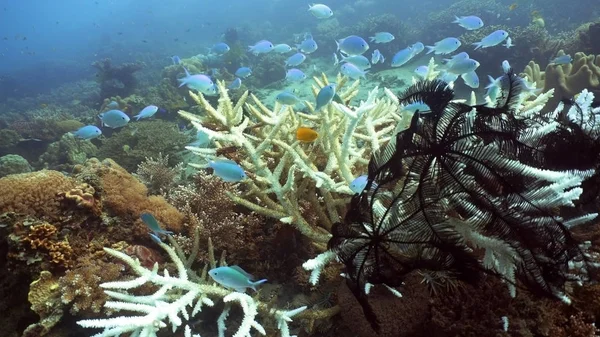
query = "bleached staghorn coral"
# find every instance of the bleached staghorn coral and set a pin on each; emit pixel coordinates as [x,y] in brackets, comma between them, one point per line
[171,301]
[286,175]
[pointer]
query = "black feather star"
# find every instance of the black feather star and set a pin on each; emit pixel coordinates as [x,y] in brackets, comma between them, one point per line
[460,177]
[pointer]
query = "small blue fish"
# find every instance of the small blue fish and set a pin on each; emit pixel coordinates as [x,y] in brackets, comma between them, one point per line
[112,105]
[508,44]
[382,37]
[88,132]
[352,45]
[460,67]
[460,56]
[491,40]
[234,277]
[261,47]
[282,48]
[295,75]
[417,48]
[377,57]
[448,77]
[417,106]
[308,46]
[471,79]
[153,225]
[320,11]
[243,72]
[199,82]
[176,60]
[325,95]
[352,71]
[211,91]
[493,89]
[358,184]
[235,84]
[202,139]
[147,112]
[402,57]
[220,48]
[506,66]
[444,46]
[422,71]
[228,170]
[470,22]
[295,60]
[287,98]
[564,59]
[358,60]
[114,118]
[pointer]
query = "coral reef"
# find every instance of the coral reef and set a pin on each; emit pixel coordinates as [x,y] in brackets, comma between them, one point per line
[67,152]
[157,175]
[282,168]
[116,80]
[13,164]
[567,80]
[44,296]
[134,143]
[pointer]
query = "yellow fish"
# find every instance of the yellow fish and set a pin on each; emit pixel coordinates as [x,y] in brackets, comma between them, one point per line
[305,134]
[513,7]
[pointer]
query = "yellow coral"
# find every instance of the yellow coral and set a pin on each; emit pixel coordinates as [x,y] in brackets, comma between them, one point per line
[84,196]
[44,296]
[43,237]
[34,193]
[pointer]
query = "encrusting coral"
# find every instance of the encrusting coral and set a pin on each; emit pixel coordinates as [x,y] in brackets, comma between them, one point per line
[567,80]
[44,296]
[289,179]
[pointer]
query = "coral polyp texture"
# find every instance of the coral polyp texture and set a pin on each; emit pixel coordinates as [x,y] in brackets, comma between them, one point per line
[290,179]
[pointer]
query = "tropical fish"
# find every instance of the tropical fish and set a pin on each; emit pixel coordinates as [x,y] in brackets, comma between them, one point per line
[243,72]
[147,112]
[382,37]
[460,56]
[234,277]
[448,77]
[88,132]
[325,96]
[491,40]
[470,22]
[506,66]
[112,105]
[287,98]
[417,48]
[358,184]
[295,60]
[471,79]
[282,48]
[564,59]
[199,82]
[402,57]
[358,60]
[202,139]
[220,48]
[114,118]
[376,57]
[352,71]
[335,59]
[176,60]
[422,71]
[228,170]
[444,46]
[320,11]
[352,45]
[308,46]
[153,225]
[513,6]
[493,89]
[307,135]
[417,106]
[235,84]
[508,44]
[459,67]
[295,75]
[261,47]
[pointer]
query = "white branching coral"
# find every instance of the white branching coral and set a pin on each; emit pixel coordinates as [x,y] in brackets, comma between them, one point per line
[171,302]
[289,179]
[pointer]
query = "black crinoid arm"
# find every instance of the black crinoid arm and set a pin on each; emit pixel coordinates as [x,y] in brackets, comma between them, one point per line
[464,189]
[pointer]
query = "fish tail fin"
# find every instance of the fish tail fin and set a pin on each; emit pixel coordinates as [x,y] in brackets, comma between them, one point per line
[371,38]
[187,73]
[430,49]
[137,117]
[456,20]
[257,283]
[477,45]
[337,43]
